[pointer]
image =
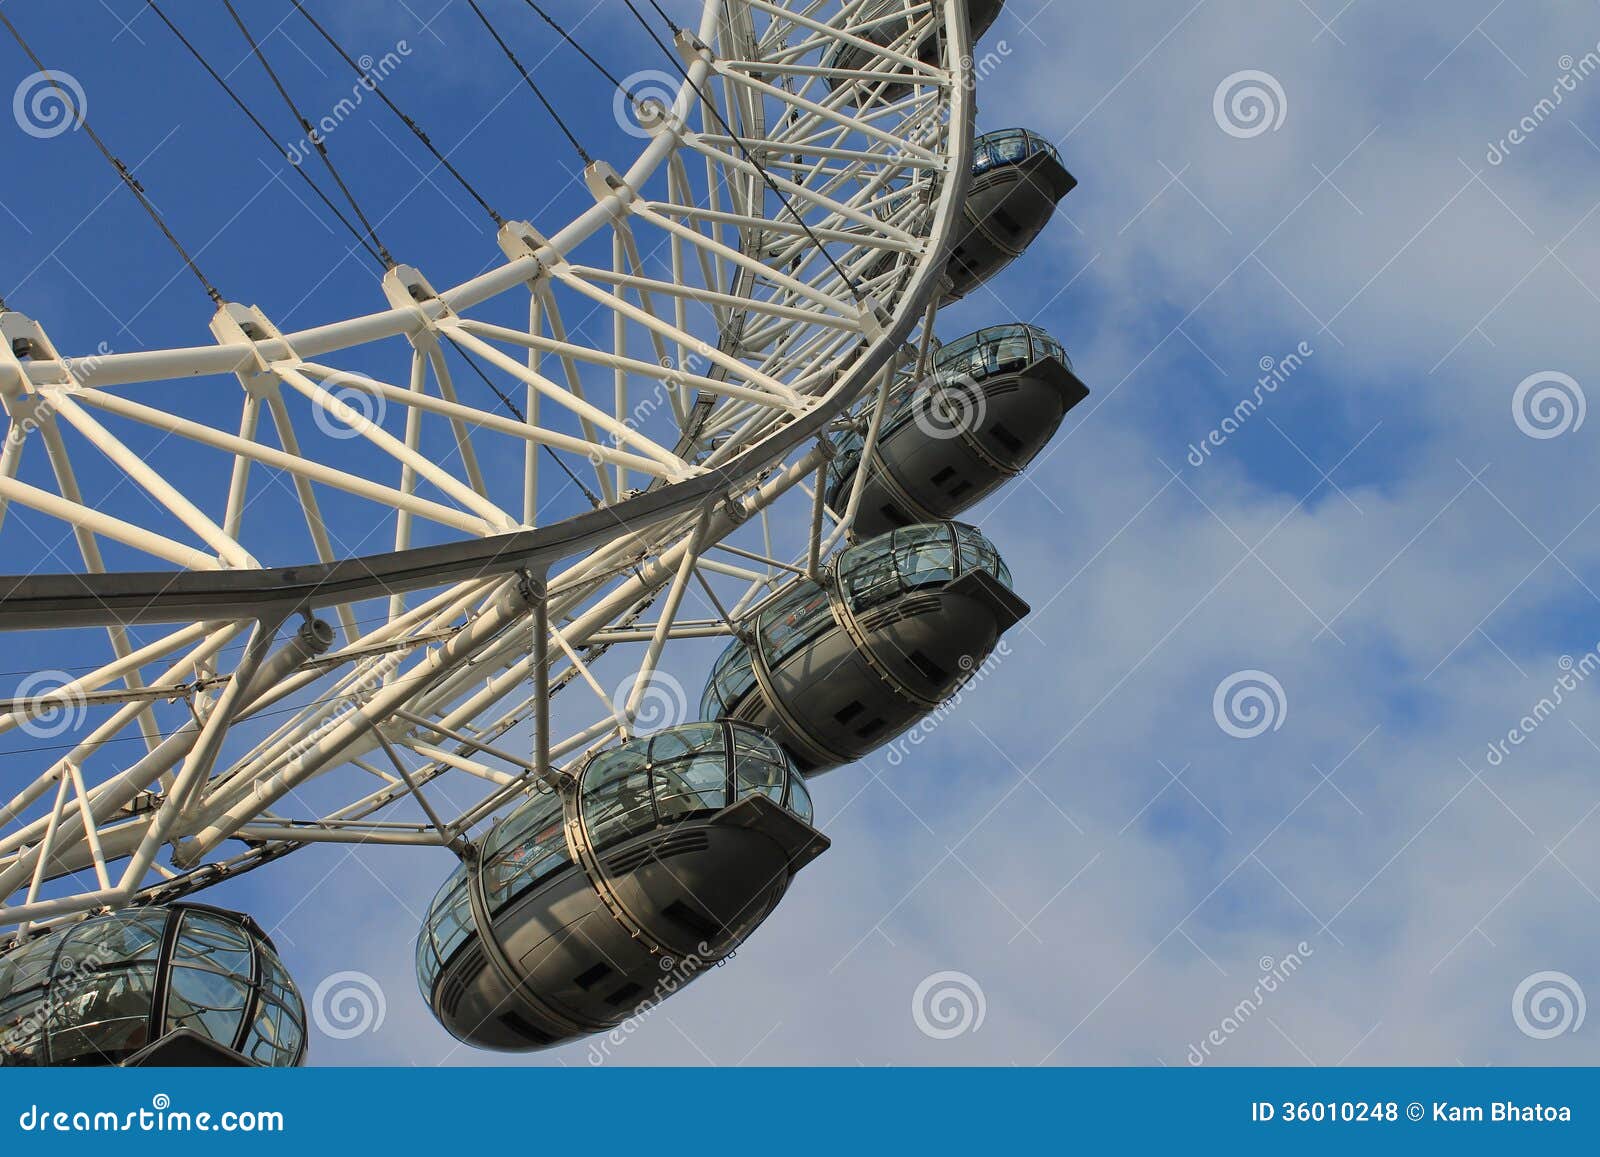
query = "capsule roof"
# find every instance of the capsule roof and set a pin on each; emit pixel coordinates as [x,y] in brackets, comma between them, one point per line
[870,573]
[995,348]
[1009,147]
[694,769]
[909,557]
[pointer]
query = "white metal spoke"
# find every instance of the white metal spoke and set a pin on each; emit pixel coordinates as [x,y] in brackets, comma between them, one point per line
[680,349]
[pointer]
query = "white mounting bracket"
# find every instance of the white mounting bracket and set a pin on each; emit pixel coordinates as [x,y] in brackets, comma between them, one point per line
[28,359]
[519,239]
[245,326]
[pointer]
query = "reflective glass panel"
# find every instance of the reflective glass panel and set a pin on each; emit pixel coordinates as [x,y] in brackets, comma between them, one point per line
[123,936]
[208,941]
[696,784]
[1007,147]
[527,846]
[730,681]
[449,922]
[800,798]
[755,774]
[795,619]
[211,1003]
[616,796]
[102,1018]
[29,965]
[915,556]
[22,1023]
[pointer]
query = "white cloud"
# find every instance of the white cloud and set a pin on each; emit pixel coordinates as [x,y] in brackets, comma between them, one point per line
[1437,900]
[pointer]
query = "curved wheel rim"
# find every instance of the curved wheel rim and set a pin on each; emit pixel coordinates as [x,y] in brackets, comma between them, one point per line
[497,580]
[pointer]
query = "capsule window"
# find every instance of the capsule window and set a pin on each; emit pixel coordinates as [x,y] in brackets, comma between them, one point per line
[107,1015]
[928,667]
[1005,437]
[520,1025]
[700,784]
[731,681]
[1007,222]
[800,798]
[624,994]
[620,808]
[122,936]
[763,777]
[205,941]
[275,1036]
[686,917]
[794,621]
[27,966]
[209,1002]
[22,1030]
[510,869]
[871,729]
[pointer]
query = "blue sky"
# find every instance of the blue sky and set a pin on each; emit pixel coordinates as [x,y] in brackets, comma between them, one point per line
[1112,868]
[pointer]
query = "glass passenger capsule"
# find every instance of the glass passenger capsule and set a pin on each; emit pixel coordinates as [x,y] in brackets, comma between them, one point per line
[1017,180]
[992,402]
[834,669]
[588,904]
[884,23]
[181,984]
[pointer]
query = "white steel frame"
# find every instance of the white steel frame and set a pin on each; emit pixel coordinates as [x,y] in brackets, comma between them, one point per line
[729,322]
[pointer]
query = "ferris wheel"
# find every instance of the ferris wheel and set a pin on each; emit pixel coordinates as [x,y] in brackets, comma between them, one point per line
[354,611]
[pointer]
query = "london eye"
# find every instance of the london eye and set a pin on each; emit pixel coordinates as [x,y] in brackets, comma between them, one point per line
[331,600]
